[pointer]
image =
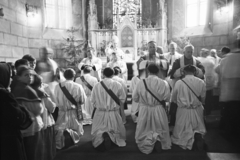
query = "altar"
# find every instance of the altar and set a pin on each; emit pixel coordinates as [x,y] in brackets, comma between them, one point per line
[132,33]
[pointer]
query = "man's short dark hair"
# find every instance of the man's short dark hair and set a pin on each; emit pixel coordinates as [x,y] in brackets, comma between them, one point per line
[21,69]
[190,68]
[108,72]
[117,70]
[87,69]
[21,62]
[28,57]
[152,68]
[152,42]
[226,50]
[69,74]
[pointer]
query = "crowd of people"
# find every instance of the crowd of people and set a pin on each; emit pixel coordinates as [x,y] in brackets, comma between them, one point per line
[45,107]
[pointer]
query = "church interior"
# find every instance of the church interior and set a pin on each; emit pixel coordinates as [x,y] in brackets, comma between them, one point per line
[69,27]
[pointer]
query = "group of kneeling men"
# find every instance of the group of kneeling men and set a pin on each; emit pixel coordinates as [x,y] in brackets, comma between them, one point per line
[103,104]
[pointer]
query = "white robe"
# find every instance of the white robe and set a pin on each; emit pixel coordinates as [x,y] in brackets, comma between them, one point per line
[135,105]
[67,115]
[189,118]
[97,62]
[107,117]
[210,74]
[122,65]
[171,59]
[87,107]
[124,85]
[229,76]
[152,125]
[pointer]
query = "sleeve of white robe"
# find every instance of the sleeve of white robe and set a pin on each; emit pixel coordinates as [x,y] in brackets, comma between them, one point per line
[175,92]
[57,94]
[98,64]
[81,63]
[135,95]
[80,95]
[123,67]
[203,93]
[93,97]
[122,95]
[167,91]
[132,84]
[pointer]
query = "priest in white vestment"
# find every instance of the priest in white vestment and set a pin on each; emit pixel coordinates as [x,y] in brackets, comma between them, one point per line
[93,61]
[107,121]
[133,84]
[152,125]
[210,78]
[67,114]
[153,57]
[88,82]
[116,61]
[116,77]
[189,126]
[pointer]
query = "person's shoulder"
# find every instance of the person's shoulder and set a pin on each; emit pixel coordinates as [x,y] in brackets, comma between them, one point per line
[179,54]
[92,78]
[134,78]
[166,54]
[198,59]
[116,82]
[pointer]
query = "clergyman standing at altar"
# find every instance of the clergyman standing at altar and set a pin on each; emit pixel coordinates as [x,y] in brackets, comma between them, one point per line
[94,62]
[152,57]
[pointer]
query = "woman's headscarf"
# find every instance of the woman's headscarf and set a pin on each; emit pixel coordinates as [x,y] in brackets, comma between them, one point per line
[5,73]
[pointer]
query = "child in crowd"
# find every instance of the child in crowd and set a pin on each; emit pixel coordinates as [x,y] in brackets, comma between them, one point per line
[27,97]
[31,60]
[48,129]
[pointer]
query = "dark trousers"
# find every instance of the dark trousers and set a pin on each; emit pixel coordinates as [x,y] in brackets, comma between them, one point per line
[172,113]
[230,117]
[208,102]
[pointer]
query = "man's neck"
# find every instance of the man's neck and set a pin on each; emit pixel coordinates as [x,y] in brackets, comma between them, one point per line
[172,53]
[151,74]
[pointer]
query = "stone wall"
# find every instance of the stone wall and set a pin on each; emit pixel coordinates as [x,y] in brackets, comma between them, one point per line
[217,34]
[20,35]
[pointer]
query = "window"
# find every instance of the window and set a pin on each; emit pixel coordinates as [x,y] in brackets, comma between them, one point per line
[127,37]
[58,14]
[196,12]
[123,7]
